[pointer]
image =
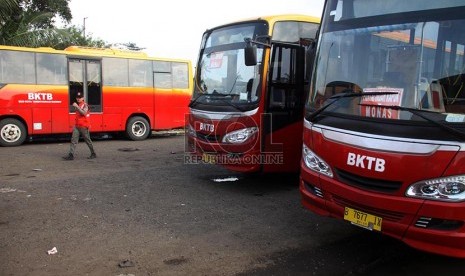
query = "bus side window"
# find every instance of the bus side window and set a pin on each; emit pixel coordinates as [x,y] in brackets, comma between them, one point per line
[180,75]
[163,80]
[21,67]
[162,74]
[140,73]
[115,72]
[51,69]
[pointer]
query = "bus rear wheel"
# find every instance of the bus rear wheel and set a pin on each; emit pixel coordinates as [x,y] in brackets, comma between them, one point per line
[12,132]
[138,128]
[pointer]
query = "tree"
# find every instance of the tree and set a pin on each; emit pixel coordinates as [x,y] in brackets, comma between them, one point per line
[31,23]
[75,38]
[55,8]
[20,32]
[6,8]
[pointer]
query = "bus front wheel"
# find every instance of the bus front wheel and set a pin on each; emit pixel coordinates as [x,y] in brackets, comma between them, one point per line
[12,132]
[138,128]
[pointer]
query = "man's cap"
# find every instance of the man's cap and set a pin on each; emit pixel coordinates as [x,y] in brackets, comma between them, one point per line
[79,95]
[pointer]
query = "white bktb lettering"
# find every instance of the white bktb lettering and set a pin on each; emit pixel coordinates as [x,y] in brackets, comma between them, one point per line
[207,127]
[366,162]
[40,96]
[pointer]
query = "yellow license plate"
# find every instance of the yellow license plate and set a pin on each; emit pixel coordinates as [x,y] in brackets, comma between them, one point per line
[363,219]
[209,158]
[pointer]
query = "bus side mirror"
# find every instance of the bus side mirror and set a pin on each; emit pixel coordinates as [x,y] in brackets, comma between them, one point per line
[250,53]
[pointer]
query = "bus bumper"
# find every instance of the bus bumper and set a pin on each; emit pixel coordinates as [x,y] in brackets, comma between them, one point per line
[432,226]
[239,158]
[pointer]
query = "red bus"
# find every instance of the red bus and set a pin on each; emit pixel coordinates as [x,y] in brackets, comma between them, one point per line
[127,91]
[384,130]
[250,87]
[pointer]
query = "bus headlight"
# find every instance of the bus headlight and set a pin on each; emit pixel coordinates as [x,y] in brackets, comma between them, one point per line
[239,136]
[451,189]
[315,163]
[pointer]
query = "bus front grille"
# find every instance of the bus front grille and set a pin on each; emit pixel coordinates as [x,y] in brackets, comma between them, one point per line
[366,183]
[209,137]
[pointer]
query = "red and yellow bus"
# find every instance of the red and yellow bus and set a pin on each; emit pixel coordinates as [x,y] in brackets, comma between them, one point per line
[384,130]
[127,91]
[251,83]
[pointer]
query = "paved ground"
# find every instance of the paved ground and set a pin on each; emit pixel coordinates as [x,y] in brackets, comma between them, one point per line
[138,209]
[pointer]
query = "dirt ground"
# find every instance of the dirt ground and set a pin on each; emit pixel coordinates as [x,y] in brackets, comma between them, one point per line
[137,202]
[138,209]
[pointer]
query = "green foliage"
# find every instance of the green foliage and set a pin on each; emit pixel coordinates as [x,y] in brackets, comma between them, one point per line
[31,23]
[54,8]
[74,37]
[6,10]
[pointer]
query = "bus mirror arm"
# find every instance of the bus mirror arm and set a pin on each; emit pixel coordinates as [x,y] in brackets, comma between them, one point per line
[250,41]
[250,51]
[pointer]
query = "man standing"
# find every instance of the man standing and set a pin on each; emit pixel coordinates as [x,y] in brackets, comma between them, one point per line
[81,128]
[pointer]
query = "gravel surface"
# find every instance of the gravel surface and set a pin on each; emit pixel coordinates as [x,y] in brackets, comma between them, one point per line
[139,209]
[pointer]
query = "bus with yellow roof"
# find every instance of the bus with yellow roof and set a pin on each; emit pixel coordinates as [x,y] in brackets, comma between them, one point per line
[251,82]
[127,91]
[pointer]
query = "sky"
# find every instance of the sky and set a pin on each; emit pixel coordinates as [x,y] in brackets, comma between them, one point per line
[173,28]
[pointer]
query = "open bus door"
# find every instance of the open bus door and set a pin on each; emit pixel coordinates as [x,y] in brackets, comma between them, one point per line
[282,123]
[85,76]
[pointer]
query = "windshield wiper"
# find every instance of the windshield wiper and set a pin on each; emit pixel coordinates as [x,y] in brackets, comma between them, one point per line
[194,101]
[239,108]
[418,113]
[214,94]
[348,93]
[217,96]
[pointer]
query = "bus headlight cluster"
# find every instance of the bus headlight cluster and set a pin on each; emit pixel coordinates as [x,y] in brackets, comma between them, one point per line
[450,189]
[315,163]
[239,136]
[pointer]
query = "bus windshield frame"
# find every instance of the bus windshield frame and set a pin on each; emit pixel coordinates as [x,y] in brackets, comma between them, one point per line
[410,52]
[222,78]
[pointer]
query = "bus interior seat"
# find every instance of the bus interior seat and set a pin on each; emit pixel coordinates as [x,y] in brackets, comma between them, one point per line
[453,88]
[248,89]
[434,97]
[394,79]
[336,87]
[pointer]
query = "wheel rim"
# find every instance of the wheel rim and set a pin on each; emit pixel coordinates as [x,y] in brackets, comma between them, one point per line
[11,133]
[139,129]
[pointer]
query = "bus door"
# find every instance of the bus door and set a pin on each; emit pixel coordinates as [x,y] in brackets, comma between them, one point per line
[85,76]
[282,122]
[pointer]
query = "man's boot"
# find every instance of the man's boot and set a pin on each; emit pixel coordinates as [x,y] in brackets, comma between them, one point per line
[92,155]
[69,157]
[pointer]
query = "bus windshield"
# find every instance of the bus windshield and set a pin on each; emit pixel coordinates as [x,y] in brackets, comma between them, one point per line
[221,72]
[414,59]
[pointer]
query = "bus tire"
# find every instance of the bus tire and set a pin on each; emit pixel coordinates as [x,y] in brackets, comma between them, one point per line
[12,132]
[138,128]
